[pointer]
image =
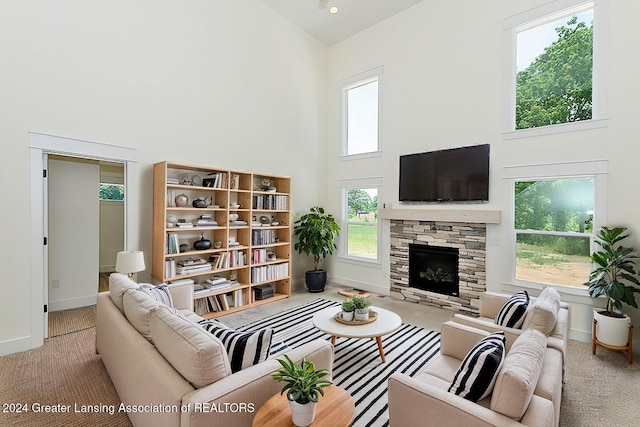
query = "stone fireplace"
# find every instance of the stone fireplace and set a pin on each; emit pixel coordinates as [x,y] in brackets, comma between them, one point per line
[451,230]
[434,268]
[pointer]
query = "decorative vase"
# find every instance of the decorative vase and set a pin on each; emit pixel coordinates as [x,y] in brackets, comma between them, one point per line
[302,415]
[202,244]
[613,331]
[347,315]
[362,314]
[199,203]
[182,200]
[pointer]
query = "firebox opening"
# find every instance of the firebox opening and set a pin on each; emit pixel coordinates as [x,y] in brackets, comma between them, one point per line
[434,269]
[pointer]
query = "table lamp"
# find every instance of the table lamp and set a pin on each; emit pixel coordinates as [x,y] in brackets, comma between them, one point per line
[130,262]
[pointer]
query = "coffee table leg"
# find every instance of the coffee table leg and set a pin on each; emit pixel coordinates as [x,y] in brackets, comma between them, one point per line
[333,340]
[379,341]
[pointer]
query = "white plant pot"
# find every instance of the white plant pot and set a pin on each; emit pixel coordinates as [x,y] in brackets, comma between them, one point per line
[612,331]
[302,415]
[362,314]
[347,315]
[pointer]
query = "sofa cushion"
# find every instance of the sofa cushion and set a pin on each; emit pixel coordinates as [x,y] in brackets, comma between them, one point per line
[137,309]
[477,373]
[118,285]
[519,374]
[159,293]
[197,355]
[512,313]
[243,348]
[543,313]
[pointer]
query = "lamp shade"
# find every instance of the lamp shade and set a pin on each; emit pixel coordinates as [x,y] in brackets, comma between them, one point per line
[129,261]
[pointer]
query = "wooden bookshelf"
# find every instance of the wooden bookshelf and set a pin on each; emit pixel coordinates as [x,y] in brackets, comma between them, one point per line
[246,217]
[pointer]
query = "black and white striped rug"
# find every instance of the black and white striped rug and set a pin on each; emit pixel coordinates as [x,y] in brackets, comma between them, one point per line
[357,366]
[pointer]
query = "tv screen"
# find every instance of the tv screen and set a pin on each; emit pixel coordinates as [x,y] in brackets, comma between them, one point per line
[457,174]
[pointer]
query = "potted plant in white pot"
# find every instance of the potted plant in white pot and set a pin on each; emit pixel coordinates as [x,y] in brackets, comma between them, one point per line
[304,384]
[615,278]
[361,308]
[347,310]
[316,232]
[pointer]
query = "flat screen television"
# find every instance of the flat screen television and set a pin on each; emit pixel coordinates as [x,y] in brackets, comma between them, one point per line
[452,175]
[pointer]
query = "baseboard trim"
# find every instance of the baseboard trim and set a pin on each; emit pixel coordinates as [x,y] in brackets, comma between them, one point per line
[16,345]
[341,281]
[68,304]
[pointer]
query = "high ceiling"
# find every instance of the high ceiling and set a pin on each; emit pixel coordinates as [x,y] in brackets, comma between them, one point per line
[353,16]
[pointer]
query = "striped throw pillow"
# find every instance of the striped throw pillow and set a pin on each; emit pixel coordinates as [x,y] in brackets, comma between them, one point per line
[477,374]
[244,348]
[512,313]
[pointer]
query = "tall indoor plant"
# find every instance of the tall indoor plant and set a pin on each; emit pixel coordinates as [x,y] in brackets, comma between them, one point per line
[304,384]
[316,232]
[615,278]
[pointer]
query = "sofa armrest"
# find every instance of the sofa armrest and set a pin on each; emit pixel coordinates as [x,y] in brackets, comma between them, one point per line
[457,339]
[245,391]
[511,334]
[182,295]
[491,303]
[413,402]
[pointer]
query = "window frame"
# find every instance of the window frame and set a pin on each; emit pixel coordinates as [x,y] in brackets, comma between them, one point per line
[343,251]
[534,17]
[598,170]
[370,76]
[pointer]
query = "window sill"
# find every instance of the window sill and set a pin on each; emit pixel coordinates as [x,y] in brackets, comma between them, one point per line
[555,129]
[361,156]
[567,294]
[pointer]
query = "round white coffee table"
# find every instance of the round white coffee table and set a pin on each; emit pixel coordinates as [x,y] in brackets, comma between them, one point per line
[386,323]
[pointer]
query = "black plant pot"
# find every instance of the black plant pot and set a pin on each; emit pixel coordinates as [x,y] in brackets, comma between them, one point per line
[315,280]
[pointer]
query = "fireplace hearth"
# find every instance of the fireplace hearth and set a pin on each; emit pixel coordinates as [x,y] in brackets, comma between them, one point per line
[434,268]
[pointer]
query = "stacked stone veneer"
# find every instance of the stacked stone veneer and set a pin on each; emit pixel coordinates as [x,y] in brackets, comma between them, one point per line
[469,238]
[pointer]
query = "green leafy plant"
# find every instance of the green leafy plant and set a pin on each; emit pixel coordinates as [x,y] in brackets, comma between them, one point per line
[304,382]
[360,302]
[348,305]
[316,232]
[614,275]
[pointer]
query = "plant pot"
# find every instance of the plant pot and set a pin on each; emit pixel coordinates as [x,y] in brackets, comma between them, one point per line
[315,280]
[613,331]
[347,315]
[302,415]
[362,314]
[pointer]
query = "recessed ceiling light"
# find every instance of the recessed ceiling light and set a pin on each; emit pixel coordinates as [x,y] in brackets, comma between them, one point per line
[333,9]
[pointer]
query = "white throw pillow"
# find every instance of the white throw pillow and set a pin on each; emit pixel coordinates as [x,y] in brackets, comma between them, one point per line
[543,313]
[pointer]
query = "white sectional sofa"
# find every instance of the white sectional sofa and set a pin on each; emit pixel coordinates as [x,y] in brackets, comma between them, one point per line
[168,371]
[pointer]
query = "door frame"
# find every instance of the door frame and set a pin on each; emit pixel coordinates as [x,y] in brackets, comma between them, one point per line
[41,145]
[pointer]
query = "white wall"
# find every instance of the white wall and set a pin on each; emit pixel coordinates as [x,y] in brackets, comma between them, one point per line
[229,84]
[111,233]
[74,218]
[442,88]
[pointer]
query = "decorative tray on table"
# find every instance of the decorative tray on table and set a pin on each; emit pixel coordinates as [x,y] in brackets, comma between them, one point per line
[372,318]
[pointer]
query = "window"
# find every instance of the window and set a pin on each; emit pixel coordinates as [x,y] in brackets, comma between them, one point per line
[111,191]
[554,229]
[361,111]
[557,80]
[360,231]
[555,210]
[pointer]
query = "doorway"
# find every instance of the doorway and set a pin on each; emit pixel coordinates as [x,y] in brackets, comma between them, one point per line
[41,146]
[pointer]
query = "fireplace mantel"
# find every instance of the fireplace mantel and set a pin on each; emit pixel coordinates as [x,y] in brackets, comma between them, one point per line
[476,216]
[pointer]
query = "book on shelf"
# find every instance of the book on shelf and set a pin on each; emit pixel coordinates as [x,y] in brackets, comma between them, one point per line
[169,267]
[172,245]
[184,225]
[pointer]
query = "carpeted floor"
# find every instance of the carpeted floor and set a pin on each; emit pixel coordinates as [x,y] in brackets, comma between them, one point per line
[74,320]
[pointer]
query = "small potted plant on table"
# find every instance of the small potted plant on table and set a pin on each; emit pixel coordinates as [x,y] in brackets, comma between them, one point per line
[347,310]
[361,308]
[304,386]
